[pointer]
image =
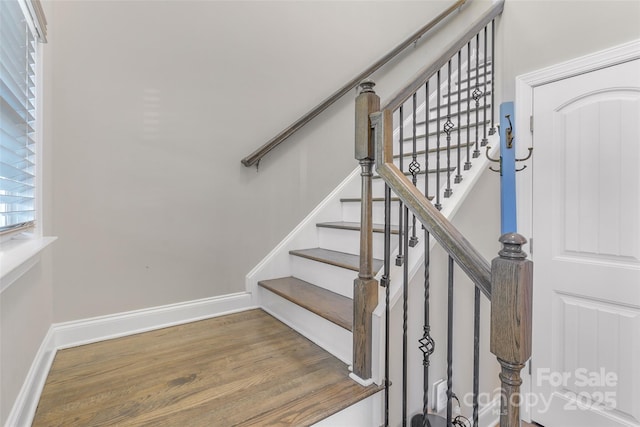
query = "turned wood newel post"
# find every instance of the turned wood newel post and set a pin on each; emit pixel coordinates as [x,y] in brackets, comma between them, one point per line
[511,292]
[365,287]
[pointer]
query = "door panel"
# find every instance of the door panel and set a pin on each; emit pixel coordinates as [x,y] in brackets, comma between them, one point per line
[586,226]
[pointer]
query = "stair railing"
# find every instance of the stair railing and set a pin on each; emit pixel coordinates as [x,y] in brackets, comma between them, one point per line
[255,157]
[506,282]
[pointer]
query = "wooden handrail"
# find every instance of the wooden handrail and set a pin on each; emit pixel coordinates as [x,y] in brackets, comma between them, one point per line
[468,258]
[427,72]
[258,154]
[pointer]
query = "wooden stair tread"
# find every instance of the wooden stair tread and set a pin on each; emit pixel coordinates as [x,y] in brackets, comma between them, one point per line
[355,226]
[333,307]
[436,132]
[433,171]
[375,199]
[339,259]
[435,150]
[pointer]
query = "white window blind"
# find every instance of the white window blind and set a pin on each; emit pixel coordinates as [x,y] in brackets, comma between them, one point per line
[19,32]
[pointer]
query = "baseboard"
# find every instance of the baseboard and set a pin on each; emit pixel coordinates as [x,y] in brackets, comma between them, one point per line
[85,331]
[24,407]
[489,415]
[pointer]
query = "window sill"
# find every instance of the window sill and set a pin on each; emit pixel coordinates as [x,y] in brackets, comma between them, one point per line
[18,256]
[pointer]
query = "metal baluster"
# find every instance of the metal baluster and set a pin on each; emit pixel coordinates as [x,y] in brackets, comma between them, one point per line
[400,256]
[427,116]
[459,152]
[493,76]
[385,282]
[476,354]
[438,205]
[450,344]
[414,167]
[405,309]
[427,345]
[485,141]
[477,93]
[448,127]
[467,164]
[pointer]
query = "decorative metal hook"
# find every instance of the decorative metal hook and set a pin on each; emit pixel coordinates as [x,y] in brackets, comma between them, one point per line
[528,156]
[494,160]
[509,130]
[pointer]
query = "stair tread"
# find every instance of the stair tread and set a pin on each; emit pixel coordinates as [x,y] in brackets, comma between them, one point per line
[441,170]
[452,147]
[339,259]
[346,225]
[374,199]
[329,305]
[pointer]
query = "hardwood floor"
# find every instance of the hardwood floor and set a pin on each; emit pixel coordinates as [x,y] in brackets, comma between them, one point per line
[244,369]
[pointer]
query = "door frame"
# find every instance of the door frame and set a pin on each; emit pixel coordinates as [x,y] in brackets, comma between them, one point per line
[525,85]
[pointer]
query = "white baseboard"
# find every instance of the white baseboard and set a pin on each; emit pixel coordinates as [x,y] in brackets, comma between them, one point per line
[85,331]
[489,415]
[24,407]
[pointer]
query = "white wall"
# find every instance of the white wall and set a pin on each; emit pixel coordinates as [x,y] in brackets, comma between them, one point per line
[538,33]
[156,102]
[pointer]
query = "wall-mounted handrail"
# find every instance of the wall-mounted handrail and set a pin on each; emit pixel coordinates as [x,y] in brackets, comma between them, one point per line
[258,154]
[427,72]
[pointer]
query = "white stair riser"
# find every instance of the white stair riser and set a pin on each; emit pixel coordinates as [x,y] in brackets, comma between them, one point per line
[378,184]
[474,116]
[349,241]
[330,277]
[331,337]
[351,212]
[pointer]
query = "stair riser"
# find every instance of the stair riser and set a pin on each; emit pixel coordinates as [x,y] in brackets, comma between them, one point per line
[420,127]
[330,277]
[349,241]
[333,338]
[351,212]
[378,184]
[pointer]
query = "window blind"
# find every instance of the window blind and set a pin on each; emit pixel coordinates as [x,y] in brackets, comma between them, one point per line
[17,116]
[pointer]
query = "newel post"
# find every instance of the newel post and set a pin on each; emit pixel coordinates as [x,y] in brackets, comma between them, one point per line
[365,287]
[511,295]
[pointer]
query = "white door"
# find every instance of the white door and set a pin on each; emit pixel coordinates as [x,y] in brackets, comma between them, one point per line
[586,231]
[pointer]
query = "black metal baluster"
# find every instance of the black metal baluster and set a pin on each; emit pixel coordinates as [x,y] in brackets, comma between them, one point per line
[448,128]
[467,164]
[400,257]
[405,314]
[459,152]
[427,345]
[485,141]
[493,76]
[438,205]
[477,93]
[385,282]
[476,354]
[414,167]
[450,344]
[427,116]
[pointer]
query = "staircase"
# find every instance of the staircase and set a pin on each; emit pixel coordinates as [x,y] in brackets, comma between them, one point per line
[307,281]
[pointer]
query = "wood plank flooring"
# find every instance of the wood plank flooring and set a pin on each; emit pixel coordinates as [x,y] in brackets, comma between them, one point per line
[244,369]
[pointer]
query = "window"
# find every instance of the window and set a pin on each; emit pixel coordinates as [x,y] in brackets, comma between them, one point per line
[21,28]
